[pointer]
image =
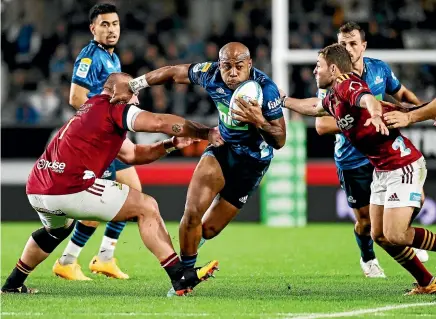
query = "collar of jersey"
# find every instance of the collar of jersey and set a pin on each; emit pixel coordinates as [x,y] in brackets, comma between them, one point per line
[101,46]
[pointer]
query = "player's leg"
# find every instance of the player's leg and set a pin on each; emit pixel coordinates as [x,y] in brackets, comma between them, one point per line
[145,210]
[399,204]
[105,262]
[420,253]
[357,186]
[39,246]
[67,266]
[207,181]
[217,217]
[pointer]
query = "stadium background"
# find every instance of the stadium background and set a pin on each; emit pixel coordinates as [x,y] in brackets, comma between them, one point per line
[40,40]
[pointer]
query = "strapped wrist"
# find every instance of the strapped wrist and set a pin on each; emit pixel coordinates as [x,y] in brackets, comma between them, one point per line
[138,84]
[169,145]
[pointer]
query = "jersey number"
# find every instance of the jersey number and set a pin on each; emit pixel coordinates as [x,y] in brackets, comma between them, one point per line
[399,144]
[66,127]
[264,150]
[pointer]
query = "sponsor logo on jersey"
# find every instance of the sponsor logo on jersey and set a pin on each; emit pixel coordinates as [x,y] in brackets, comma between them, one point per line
[322,93]
[351,199]
[226,119]
[88,174]
[243,199]
[346,122]
[84,66]
[220,90]
[393,198]
[106,174]
[378,80]
[55,166]
[415,197]
[203,67]
[273,104]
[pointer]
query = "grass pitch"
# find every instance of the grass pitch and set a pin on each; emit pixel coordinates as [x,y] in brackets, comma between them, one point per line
[276,273]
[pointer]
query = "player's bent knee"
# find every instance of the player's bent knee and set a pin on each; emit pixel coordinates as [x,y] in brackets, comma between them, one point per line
[209,231]
[90,223]
[395,238]
[48,240]
[148,207]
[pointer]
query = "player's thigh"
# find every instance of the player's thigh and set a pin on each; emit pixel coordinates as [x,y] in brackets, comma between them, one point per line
[357,186]
[136,205]
[207,181]
[404,194]
[101,201]
[126,174]
[217,217]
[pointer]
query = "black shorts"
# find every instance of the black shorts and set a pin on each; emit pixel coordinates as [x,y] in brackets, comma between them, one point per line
[356,183]
[242,173]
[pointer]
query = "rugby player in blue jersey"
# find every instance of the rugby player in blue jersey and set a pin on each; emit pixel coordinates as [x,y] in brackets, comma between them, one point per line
[232,172]
[354,169]
[92,67]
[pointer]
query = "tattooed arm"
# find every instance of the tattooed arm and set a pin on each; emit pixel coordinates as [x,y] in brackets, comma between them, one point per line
[176,126]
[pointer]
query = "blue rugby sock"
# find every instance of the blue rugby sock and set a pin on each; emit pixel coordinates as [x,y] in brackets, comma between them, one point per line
[189,261]
[366,246]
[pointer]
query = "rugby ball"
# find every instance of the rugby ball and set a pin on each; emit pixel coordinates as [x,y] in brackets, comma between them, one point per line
[249,90]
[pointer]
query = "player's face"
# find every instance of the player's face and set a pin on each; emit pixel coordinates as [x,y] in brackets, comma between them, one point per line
[235,71]
[323,73]
[353,43]
[106,29]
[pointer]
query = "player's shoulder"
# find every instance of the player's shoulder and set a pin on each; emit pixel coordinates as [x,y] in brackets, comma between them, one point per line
[373,63]
[264,81]
[89,51]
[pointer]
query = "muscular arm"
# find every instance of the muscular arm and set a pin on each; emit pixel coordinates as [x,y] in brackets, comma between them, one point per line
[78,95]
[136,154]
[427,112]
[173,73]
[311,106]
[326,125]
[405,95]
[369,102]
[274,132]
[169,124]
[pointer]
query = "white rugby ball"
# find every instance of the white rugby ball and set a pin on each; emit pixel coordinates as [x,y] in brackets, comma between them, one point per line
[249,90]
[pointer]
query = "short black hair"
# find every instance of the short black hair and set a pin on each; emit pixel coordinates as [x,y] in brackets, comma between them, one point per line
[351,26]
[337,54]
[101,8]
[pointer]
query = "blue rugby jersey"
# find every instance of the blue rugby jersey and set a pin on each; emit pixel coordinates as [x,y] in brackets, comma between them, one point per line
[246,139]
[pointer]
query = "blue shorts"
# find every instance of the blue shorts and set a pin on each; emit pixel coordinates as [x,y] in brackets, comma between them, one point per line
[116,165]
[356,183]
[242,174]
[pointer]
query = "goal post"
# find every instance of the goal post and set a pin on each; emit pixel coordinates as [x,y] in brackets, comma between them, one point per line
[284,189]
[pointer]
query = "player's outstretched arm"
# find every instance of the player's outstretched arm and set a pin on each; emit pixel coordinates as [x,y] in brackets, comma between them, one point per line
[311,106]
[405,95]
[176,126]
[137,154]
[374,108]
[174,73]
[396,119]
[326,125]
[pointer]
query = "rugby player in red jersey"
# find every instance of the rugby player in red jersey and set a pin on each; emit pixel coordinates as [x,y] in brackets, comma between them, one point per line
[63,185]
[400,169]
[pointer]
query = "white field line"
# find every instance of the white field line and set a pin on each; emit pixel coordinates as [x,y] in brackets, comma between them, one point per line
[281,315]
[359,312]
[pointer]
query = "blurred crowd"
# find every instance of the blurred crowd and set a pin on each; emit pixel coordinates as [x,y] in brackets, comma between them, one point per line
[41,39]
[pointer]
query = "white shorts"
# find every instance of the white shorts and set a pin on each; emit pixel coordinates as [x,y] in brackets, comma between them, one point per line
[399,188]
[101,201]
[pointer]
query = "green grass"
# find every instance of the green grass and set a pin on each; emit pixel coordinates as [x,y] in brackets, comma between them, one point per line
[265,273]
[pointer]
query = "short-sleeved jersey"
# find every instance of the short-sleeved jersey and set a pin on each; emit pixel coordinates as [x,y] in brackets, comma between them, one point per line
[246,139]
[83,148]
[380,80]
[92,67]
[386,153]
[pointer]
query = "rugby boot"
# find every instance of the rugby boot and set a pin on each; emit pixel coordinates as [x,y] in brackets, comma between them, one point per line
[108,268]
[70,271]
[191,278]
